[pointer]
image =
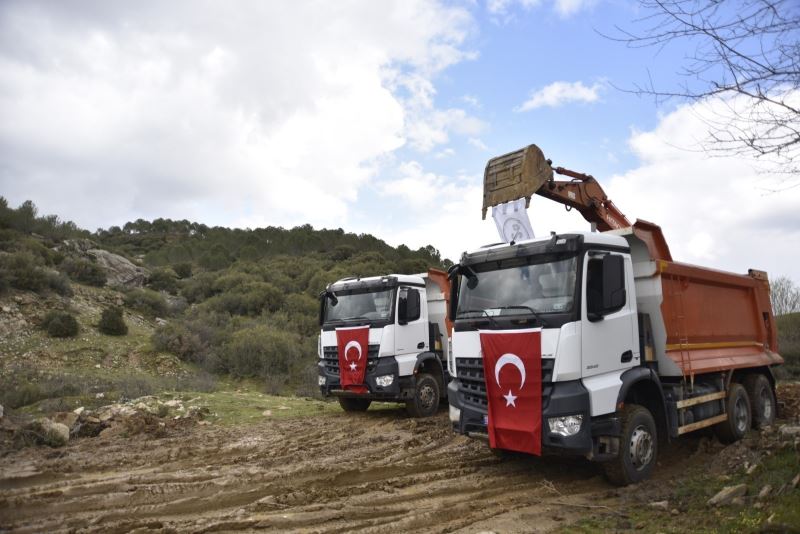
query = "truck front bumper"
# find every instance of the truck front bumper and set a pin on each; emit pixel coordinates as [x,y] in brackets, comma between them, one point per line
[401,388]
[469,413]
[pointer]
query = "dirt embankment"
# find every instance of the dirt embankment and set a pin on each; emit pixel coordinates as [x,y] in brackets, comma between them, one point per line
[320,474]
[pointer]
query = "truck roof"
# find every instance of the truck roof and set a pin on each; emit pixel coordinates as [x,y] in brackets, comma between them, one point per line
[415,279]
[594,238]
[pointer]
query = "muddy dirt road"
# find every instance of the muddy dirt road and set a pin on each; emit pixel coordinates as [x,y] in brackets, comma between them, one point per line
[365,472]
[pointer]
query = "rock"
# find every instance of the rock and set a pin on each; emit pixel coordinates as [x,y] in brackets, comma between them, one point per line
[674,511]
[660,505]
[49,432]
[100,396]
[737,501]
[1,411]
[752,469]
[6,309]
[764,493]
[790,431]
[266,413]
[78,411]
[173,403]
[120,271]
[727,494]
[160,321]
[796,481]
[66,418]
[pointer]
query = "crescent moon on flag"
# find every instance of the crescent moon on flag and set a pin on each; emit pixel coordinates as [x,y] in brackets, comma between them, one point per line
[511,359]
[357,346]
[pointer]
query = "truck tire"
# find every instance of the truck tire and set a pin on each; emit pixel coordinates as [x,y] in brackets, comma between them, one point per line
[762,400]
[737,406]
[638,447]
[350,404]
[425,402]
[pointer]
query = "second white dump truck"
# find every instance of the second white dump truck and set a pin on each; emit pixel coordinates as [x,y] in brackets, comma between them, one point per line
[403,321]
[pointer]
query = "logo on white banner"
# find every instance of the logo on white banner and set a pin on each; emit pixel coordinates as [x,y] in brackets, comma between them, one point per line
[512,221]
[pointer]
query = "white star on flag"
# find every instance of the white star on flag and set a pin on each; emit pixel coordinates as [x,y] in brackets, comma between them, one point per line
[352,366]
[510,399]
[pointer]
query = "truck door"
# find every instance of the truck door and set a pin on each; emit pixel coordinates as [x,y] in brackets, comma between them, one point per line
[411,336]
[608,333]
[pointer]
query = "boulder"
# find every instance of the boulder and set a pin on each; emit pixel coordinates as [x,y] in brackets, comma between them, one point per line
[1,411]
[727,494]
[66,418]
[660,505]
[119,270]
[50,433]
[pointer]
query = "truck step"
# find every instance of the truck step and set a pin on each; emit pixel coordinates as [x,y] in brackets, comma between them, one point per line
[685,403]
[702,424]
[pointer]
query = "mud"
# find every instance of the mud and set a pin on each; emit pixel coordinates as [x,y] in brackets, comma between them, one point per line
[365,472]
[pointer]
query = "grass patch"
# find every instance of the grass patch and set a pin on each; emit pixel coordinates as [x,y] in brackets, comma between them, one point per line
[694,489]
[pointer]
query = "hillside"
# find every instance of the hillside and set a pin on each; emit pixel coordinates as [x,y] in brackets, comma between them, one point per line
[200,304]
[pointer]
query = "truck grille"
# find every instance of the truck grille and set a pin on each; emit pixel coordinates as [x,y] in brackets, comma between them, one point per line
[331,358]
[472,386]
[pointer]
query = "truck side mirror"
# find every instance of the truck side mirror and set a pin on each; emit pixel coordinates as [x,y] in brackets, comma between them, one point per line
[408,306]
[322,301]
[451,311]
[613,283]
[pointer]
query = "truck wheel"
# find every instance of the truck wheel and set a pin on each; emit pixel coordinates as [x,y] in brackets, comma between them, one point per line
[638,447]
[426,397]
[762,400]
[737,424]
[349,404]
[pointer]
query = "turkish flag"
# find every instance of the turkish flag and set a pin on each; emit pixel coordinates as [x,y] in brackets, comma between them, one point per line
[512,369]
[353,344]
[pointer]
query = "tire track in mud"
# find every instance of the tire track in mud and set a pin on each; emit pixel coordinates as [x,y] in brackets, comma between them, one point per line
[362,472]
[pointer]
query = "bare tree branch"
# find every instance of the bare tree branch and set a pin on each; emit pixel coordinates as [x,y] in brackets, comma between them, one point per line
[747,55]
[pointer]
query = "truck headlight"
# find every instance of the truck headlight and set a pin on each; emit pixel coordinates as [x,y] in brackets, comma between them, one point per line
[385,381]
[568,425]
[321,380]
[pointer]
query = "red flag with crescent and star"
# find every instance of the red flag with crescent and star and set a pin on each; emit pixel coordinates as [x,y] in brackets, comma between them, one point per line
[512,368]
[353,344]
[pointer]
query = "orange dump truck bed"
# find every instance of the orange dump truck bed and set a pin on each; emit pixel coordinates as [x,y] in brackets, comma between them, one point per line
[703,320]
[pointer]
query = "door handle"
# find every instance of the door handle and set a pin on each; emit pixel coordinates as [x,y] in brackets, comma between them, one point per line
[421,345]
[627,356]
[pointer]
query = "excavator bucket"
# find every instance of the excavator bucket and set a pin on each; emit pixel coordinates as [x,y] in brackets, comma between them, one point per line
[515,175]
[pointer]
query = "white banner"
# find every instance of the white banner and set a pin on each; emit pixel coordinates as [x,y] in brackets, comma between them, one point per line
[512,221]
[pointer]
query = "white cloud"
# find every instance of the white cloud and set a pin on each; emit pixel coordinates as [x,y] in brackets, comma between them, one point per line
[565,8]
[559,93]
[477,143]
[257,115]
[716,212]
[471,100]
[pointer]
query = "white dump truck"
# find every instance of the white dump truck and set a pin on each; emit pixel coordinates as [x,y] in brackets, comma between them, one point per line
[403,321]
[598,343]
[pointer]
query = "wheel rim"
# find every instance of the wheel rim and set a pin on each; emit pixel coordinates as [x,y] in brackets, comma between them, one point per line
[426,396]
[641,447]
[766,404]
[740,415]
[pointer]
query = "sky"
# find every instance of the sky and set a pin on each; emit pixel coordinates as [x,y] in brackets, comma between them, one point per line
[371,116]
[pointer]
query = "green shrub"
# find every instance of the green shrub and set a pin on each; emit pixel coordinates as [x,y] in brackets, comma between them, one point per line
[58,282]
[21,270]
[147,302]
[60,324]
[112,322]
[164,279]
[199,287]
[183,270]
[250,299]
[84,271]
[260,351]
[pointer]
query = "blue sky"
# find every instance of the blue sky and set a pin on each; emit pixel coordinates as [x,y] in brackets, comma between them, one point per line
[374,117]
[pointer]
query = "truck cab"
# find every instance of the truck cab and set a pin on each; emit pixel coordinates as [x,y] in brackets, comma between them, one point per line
[576,288]
[408,339]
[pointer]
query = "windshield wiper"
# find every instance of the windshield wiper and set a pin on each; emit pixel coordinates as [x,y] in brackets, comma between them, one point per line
[484,312]
[523,307]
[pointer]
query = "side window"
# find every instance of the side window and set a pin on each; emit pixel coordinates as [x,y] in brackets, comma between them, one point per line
[605,285]
[414,308]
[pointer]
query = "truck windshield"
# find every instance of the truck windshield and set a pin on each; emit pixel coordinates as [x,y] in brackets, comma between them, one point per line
[518,286]
[360,305]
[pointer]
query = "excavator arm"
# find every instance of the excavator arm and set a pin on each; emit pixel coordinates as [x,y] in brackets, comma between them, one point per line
[526,172]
